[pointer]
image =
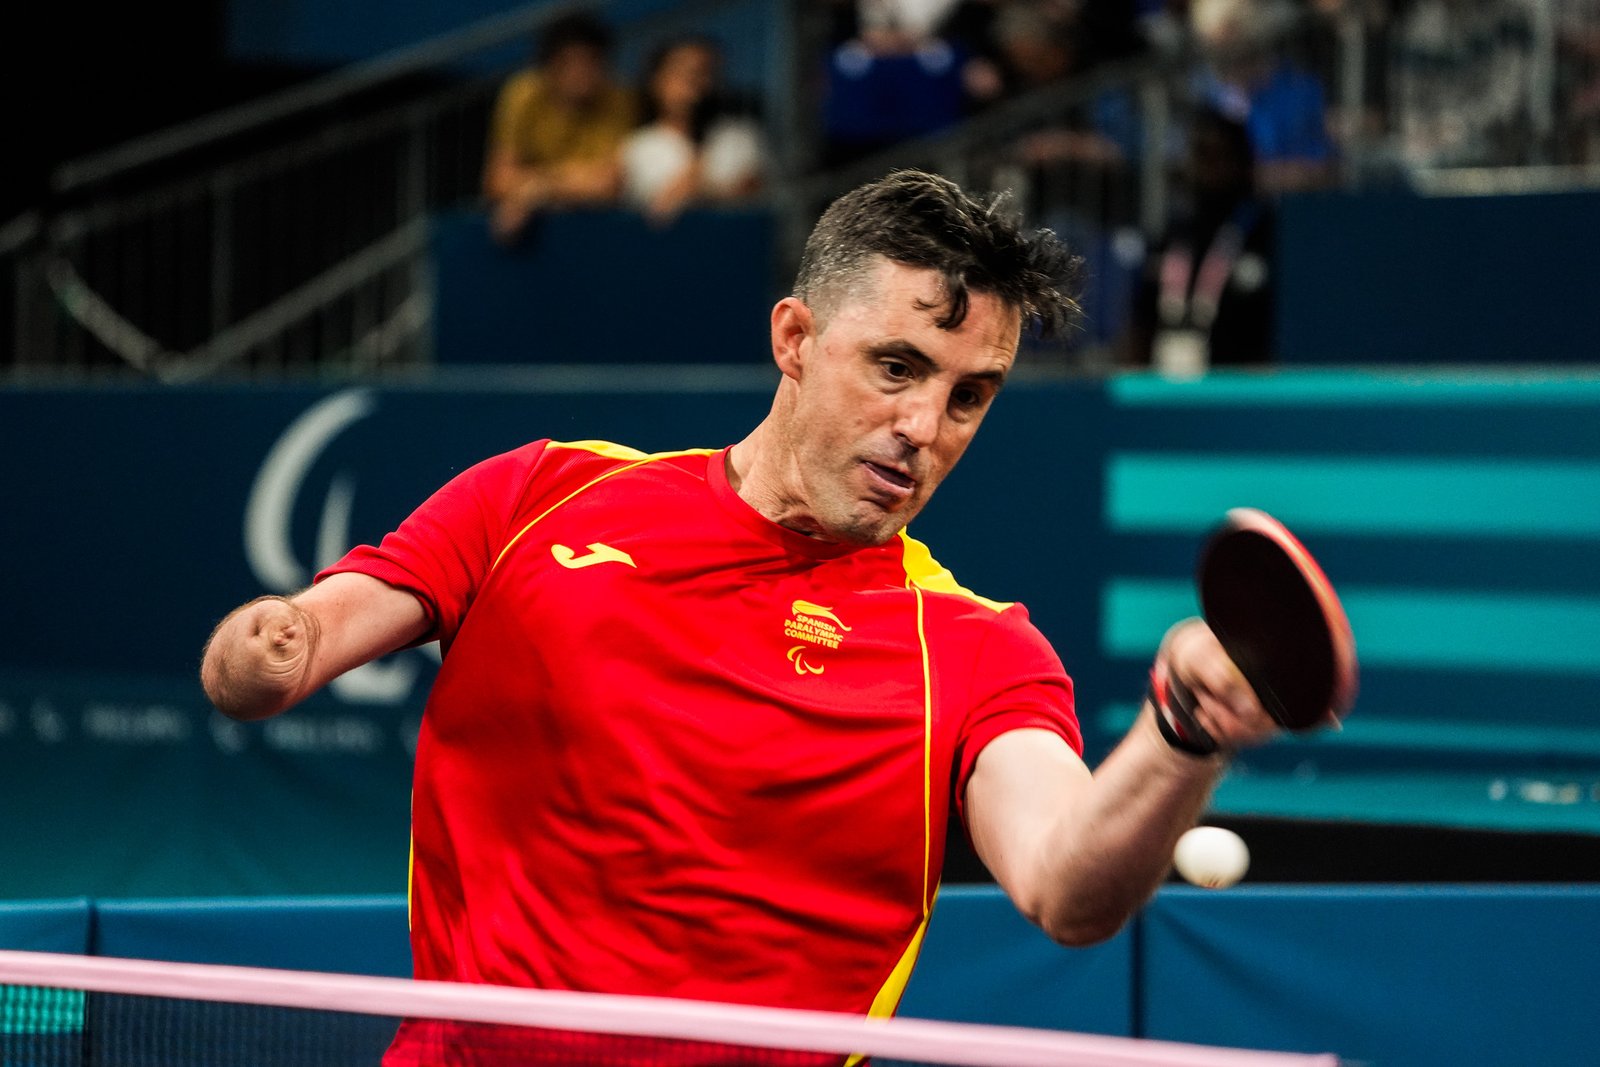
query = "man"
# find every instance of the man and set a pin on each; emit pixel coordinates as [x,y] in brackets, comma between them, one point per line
[558,129]
[702,715]
[1206,292]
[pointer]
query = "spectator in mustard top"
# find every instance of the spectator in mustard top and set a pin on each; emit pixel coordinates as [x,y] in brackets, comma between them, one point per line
[557,128]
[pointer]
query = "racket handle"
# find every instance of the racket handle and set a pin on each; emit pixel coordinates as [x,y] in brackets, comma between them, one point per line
[1175,704]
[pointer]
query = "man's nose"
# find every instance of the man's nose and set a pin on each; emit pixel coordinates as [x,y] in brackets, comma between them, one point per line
[917,420]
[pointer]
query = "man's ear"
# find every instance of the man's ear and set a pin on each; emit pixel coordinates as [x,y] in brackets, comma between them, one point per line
[793,332]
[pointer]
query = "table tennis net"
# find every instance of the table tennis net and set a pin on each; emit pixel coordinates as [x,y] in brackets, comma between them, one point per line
[78,1011]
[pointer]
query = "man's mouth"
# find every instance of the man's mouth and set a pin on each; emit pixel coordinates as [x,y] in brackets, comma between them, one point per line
[893,480]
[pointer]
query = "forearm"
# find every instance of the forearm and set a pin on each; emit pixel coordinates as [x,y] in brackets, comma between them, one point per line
[504,175]
[274,652]
[1080,852]
[581,182]
[258,660]
[1110,850]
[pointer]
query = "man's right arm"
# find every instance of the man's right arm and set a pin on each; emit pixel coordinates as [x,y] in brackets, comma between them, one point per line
[273,652]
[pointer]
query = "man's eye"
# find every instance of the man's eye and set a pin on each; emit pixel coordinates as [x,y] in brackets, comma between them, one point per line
[898,371]
[967,398]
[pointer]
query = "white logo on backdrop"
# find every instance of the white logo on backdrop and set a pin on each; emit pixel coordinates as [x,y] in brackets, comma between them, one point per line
[268,530]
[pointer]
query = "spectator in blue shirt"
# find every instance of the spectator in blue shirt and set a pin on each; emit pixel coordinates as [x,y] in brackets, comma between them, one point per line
[1246,78]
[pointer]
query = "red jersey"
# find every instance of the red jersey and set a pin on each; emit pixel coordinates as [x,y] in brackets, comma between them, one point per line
[676,749]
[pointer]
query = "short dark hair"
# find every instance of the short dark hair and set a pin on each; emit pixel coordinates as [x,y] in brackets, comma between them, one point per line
[924,220]
[577,28]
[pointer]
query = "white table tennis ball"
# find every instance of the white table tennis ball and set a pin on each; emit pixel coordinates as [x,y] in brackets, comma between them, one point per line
[1212,857]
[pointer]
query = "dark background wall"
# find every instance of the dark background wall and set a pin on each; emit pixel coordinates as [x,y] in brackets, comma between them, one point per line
[1459,515]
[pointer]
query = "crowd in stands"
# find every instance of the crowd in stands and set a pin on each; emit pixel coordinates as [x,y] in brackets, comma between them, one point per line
[566,133]
[1442,83]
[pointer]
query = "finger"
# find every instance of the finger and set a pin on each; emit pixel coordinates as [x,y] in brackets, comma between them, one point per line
[1218,679]
[1206,668]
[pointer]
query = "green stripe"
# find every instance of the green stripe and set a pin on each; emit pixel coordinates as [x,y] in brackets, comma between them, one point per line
[1434,737]
[1396,627]
[1183,492]
[1325,388]
[1476,799]
[34,1010]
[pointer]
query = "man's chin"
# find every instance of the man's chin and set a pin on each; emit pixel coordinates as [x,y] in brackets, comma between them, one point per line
[870,530]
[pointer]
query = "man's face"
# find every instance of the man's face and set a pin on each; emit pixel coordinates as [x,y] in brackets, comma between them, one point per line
[577,73]
[887,402]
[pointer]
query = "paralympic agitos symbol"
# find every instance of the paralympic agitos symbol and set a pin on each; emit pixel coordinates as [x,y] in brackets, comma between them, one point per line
[268,525]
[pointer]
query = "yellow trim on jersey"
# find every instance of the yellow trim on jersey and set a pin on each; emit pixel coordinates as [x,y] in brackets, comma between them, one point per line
[925,572]
[599,448]
[894,987]
[888,998]
[611,450]
[927,753]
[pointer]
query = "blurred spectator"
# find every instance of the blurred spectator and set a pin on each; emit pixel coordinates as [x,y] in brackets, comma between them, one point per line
[1034,43]
[1347,39]
[1074,172]
[557,128]
[1463,73]
[1578,42]
[1040,42]
[1206,294]
[894,75]
[1246,78]
[688,147]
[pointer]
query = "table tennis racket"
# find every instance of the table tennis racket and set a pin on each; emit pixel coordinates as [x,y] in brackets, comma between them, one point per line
[1280,621]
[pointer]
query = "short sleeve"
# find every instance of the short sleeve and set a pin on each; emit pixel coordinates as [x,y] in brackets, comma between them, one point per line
[733,156]
[651,158]
[443,551]
[504,128]
[1020,684]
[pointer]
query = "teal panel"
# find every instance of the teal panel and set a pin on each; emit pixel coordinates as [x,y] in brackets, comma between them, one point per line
[1417,497]
[1136,612]
[43,1012]
[1392,976]
[1360,387]
[1396,627]
[1434,736]
[1556,801]
[1380,770]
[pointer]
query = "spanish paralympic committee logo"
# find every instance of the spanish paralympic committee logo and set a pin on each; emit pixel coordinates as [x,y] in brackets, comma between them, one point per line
[812,624]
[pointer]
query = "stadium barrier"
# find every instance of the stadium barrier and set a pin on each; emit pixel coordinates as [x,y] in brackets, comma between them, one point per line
[1388,975]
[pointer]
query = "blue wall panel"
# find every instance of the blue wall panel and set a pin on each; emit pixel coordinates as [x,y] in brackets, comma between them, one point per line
[45,925]
[340,935]
[590,287]
[1393,278]
[983,962]
[1387,976]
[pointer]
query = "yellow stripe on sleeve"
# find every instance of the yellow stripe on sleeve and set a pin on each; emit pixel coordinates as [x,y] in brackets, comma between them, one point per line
[925,572]
[632,457]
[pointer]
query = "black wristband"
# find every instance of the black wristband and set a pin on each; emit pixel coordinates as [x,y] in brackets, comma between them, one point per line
[1174,705]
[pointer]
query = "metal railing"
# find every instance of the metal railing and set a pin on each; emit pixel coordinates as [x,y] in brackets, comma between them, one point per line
[284,236]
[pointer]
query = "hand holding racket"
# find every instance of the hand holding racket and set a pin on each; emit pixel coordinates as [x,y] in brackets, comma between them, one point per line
[1279,620]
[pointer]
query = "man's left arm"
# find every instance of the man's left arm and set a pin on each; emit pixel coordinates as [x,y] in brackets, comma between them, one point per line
[1077,852]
